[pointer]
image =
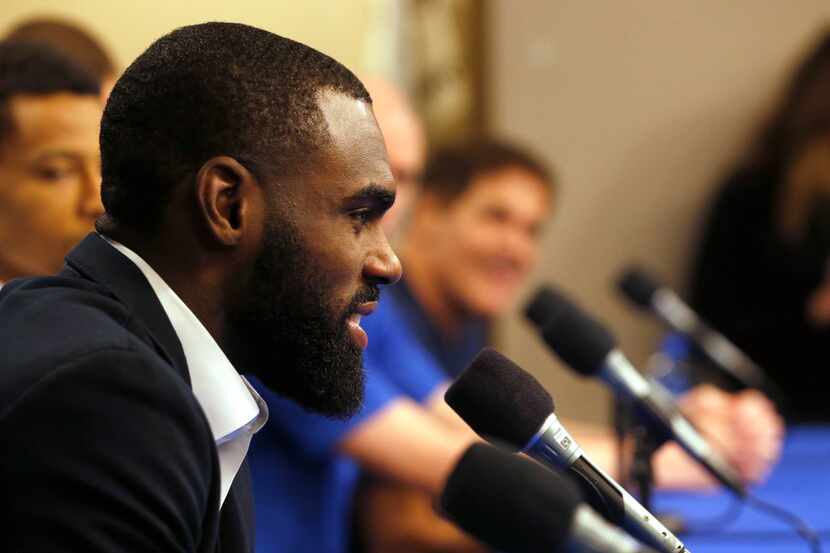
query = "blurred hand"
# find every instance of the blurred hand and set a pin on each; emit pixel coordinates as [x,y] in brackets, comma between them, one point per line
[395,518]
[744,426]
[758,434]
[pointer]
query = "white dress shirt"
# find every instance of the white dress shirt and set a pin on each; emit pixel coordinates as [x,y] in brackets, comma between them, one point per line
[234,410]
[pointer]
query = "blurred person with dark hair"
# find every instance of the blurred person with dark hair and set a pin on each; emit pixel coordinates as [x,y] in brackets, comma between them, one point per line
[50,171]
[74,42]
[472,243]
[472,240]
[761,272]
[244,180]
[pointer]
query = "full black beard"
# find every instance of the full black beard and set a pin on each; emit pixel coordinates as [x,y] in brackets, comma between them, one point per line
[286,332]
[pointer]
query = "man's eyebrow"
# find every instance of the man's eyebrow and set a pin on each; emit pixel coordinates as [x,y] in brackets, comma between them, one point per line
[373,193]
[54,154]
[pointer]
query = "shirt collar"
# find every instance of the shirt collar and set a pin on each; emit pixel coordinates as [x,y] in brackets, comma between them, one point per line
[225,397]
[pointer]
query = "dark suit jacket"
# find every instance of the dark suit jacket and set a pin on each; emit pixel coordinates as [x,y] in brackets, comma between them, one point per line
[103,446]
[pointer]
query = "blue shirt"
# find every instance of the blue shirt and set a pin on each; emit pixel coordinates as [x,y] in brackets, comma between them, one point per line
[453,353]
[303,487]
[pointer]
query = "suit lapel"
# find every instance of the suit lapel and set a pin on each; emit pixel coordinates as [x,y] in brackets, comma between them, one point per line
[98,261]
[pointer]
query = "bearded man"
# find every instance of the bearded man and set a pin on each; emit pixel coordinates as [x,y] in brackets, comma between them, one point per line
[244,179]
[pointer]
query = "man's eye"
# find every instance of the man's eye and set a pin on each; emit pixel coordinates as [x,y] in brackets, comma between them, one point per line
[362,215]
[496,215]
[52,173]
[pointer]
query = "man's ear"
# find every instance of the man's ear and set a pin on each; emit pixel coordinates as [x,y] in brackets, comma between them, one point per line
[225,192]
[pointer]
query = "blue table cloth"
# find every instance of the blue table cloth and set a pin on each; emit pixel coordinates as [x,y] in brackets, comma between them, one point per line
[800,483]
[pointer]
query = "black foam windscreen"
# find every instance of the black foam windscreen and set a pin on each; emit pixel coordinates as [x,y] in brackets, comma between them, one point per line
[544,306]
[509,502]
[500,400]
[580,341]
[638,286]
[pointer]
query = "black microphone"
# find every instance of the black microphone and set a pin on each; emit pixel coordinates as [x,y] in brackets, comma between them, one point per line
[644,291]
[514,504]
[502,402]
[590,349]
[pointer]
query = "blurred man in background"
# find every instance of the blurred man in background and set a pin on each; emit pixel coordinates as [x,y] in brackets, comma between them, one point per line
[494,229]
[74,42]
[50,171]
[405,142]
[472,240]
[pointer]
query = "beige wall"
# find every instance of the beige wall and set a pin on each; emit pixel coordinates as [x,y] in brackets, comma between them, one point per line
[337,28]
[640,106]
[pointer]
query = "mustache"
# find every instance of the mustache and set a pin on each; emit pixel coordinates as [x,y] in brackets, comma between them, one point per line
[364,295]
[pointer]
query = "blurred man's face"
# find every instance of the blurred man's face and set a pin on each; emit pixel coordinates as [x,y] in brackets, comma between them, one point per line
[50,179]
[324,255]
[487,240]
[403,134]
[406,146]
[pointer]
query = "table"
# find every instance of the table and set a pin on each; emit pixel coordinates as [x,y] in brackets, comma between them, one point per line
[800,483]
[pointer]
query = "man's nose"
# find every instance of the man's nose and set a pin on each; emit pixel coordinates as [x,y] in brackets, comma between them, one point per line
[384,267]
[520,247]
[90,197]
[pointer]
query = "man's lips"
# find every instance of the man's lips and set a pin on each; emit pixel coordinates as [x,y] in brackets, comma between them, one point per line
[359,336]
[367,308]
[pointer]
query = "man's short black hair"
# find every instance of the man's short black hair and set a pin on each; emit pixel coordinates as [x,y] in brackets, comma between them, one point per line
[207,90]
[451,170]
[30,69]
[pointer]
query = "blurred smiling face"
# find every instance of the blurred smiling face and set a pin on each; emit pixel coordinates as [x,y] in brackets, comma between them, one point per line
[487,239]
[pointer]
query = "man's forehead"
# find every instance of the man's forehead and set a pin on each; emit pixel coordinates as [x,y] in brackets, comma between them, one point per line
[37,118]
[350,121]
[512,188]
[355,149]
